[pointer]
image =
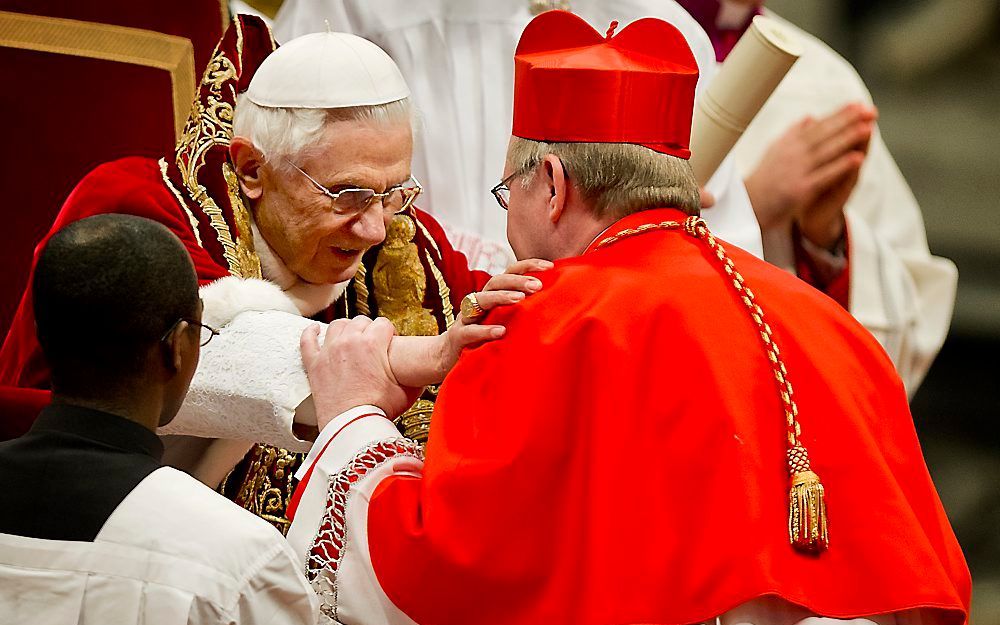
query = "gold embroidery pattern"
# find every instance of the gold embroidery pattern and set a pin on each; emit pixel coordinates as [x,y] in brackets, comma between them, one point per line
[361,291]
[180,200]
[415,423]
[430,239]
[268,484]
[246,256]
[209,126]
[400,282]
[443,290]
[239,42]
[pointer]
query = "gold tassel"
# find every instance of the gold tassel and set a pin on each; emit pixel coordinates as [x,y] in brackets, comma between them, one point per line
[807,523]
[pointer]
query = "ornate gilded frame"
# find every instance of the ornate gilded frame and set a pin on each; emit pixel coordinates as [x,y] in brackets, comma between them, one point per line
[121,44]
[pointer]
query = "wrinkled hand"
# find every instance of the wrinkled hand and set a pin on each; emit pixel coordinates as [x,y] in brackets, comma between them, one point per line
[502,290]
[352,368]
[464,333]
[808,173]
[514,279]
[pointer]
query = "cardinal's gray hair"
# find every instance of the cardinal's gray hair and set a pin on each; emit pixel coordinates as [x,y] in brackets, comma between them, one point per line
[616,179]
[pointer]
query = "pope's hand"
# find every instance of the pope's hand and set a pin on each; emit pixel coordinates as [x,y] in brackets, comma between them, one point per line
[467,332]
[504,289]
[425,360]
[807,174]
[352,368]
[515,280]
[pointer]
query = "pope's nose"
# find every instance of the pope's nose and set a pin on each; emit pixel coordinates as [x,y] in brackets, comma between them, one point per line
[369,227]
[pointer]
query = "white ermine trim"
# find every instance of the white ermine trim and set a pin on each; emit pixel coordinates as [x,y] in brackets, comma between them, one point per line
[227,297]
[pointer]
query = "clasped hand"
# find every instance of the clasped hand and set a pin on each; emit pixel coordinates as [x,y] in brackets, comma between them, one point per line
[361,361]
[807,174]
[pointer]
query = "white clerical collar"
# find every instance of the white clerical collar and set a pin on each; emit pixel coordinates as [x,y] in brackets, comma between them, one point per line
[309,298]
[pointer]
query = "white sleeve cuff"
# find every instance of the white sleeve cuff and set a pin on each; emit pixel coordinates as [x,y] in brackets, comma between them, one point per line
[344,424]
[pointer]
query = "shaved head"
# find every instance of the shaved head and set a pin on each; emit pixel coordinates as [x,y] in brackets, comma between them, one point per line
[106,289]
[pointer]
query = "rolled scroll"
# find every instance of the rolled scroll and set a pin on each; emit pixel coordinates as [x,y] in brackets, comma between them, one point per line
[747,78]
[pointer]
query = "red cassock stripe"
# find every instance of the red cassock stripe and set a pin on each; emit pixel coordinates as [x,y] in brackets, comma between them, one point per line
[619,458]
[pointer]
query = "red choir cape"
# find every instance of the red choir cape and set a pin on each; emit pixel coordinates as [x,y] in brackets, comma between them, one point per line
[193,193]
[619,457]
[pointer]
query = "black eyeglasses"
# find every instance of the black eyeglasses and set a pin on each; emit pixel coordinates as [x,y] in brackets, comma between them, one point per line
[502,191]
[207,332]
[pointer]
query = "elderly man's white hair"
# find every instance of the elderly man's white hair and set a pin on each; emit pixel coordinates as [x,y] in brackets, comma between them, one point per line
[289,133]
[315,80]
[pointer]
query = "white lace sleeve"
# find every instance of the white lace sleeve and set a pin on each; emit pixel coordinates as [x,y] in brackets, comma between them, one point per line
[250,383]
[329,531]
[343,527]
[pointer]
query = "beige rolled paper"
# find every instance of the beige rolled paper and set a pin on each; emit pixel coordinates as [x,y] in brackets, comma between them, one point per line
[745,81]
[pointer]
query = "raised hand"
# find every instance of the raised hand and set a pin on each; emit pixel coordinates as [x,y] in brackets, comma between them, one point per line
[514,279]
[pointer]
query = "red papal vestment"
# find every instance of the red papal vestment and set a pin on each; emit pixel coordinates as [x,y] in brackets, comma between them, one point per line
[619,458]
[416,278]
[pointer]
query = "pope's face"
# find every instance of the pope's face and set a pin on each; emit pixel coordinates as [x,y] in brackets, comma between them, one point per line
[296,218]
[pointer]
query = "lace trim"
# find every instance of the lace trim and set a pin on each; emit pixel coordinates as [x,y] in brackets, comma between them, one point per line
[330,543]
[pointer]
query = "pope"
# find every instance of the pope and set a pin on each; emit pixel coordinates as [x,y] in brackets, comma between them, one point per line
[659,438]
[291,190]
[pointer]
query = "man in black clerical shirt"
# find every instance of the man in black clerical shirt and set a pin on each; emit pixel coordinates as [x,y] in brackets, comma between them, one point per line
[94,529]
[118,318]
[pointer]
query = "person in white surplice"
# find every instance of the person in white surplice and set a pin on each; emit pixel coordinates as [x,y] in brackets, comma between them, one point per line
[99,530]
[869,251]
[456,55]
[96,530]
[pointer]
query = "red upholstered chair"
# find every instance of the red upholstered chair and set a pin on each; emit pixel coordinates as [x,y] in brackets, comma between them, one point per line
[84,83]
[18,409]
[202,22]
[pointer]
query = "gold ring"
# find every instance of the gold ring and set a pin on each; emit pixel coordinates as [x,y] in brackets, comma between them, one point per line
[471,309]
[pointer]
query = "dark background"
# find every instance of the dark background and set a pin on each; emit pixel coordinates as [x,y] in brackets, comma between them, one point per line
[933,67]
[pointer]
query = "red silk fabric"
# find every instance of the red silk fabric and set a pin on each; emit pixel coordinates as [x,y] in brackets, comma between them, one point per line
[135,186]
[129,186]
[619,457]
[572,84]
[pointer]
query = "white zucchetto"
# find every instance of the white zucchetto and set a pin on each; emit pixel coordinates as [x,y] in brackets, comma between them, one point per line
[327,70]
